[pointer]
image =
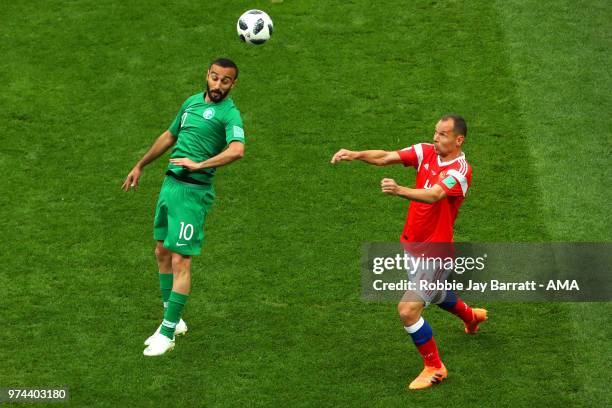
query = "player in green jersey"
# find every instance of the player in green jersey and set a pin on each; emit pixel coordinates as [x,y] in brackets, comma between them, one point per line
[207,133]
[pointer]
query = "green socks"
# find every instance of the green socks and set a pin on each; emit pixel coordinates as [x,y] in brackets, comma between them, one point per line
[165,284]
[173,305]
[173,313]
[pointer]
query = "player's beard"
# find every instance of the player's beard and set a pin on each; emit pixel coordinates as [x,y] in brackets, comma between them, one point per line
[215,95]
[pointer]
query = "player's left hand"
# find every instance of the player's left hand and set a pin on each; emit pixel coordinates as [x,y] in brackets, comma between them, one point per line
[186,163]
[389,186]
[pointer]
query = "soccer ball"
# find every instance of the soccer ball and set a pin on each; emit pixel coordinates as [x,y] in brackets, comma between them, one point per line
[254,27]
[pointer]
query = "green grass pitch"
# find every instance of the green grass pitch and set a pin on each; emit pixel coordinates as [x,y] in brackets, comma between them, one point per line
[275,316]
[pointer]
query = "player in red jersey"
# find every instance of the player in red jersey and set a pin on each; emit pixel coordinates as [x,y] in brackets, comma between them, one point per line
[443,179]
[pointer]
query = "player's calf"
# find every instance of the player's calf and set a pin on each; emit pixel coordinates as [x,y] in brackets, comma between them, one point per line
[163,257]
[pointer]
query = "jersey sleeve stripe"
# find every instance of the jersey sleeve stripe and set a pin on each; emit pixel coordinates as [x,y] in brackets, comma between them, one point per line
[418,149]
[460,178]
[464,167]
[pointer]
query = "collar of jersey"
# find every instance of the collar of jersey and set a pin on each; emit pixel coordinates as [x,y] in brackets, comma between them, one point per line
[441,163]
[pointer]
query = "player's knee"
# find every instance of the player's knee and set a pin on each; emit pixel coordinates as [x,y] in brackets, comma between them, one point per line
[161,253]
[409,312]
[180,263]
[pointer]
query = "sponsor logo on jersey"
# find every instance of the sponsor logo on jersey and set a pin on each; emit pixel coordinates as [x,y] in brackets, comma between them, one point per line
[209,113]
[426,166]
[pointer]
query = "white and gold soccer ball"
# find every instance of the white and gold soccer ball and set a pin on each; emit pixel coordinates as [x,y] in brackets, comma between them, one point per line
[254,27]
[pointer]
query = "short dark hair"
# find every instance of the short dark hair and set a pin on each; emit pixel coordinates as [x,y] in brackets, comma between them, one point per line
[459,125]
[225,63]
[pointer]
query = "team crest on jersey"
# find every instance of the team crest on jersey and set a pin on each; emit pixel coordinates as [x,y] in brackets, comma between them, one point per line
[442,174]
[209,113]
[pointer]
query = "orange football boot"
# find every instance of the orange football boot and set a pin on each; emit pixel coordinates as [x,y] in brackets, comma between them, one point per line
[479,316]
[428,377]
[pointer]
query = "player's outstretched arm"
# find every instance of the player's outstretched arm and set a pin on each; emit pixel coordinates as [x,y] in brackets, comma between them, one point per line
[424,195]
[234,151]
[375,157]
[161,144]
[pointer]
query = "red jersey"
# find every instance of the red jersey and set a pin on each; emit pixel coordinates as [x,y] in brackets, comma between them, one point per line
[434,222]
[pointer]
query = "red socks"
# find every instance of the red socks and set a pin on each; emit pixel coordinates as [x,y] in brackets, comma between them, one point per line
[429,351]
[463,311]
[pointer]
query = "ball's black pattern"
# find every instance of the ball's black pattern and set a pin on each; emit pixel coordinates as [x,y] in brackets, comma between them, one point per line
[242,25]
[257,42]
[254,12]
[270,29]
[259,25]
[242,38]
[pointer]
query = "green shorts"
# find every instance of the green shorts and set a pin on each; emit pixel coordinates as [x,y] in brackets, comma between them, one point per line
[180,213]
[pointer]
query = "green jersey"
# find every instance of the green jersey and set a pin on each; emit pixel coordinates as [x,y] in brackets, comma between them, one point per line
[203,130]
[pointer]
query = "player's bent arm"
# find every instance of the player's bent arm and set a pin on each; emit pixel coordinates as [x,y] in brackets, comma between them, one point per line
[375,157]
[424,195]
[379,157]
[161,144]
[234,151]
[159,147]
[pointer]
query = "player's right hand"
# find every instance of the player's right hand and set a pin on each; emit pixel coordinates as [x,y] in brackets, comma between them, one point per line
[132,179]
[342,154]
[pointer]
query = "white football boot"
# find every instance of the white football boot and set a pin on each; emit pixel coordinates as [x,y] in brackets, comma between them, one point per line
[181,328]
[159,345]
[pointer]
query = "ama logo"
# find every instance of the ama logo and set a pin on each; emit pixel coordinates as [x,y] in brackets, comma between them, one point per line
[562,285]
